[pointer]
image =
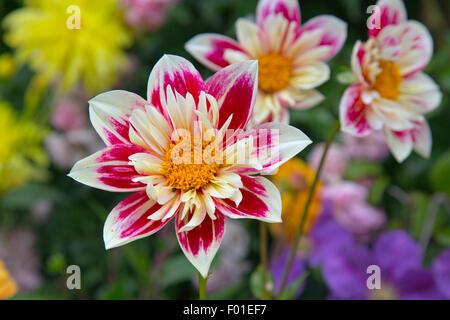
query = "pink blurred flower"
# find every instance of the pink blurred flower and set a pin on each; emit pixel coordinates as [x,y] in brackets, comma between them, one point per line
[146,14]
[372,147]
[67,148]
[335,163]
[18,251]
[69,114]
[41,209]
[351,210]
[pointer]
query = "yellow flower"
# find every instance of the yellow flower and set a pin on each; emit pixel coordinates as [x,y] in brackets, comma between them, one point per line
[70,40]
[8,286]
[21,155]
[7,65]
[294,180]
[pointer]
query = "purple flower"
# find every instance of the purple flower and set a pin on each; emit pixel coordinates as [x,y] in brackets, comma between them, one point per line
[277,267]
[400,261]
[441,272]
[325,238]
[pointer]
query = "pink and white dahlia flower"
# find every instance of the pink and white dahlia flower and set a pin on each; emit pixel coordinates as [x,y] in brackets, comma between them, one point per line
[392,94]
[184,154]
[291,56]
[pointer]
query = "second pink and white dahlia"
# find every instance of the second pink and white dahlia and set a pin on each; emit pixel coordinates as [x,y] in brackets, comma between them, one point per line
[292,56]
[392,92]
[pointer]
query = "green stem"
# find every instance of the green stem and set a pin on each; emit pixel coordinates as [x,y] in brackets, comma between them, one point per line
[201,287]
[312,190]
[263,253]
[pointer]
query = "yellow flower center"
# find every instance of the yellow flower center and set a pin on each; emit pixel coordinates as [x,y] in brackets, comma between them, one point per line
[274,72]
[187,167]
[388,80]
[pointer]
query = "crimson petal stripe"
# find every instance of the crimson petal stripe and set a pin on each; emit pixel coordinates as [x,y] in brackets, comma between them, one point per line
[129,221]
[177,72]
[109,169]
[109,113]
[290,9]
[235,88]
[209,49]
[200,244]
[261,200]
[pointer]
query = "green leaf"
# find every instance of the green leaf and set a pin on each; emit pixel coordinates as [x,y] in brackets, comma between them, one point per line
[26,196]
[360,169]
[56,263]
[138,261]
[442,237]
[176,270]
[439,174]
[257,282]
[290,292]
[419,212]
[377,191]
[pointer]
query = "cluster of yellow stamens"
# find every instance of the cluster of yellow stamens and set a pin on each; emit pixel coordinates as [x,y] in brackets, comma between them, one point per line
[189,171]
[388,80]
[274,72]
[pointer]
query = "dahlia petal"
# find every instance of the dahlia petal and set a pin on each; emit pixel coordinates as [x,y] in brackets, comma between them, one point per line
[200,244]
[333,33]
[400,143]
[274,144]
[416,46]
[148,133]
[261,200]
[248,36]
[109,113]
[289,9]
[421,137]
[310,76]
[109,169]
[276,30]
[301,99]
[395,115]
[167,210]
[267,106]
[128,221]
[420,92]
[211,49]
[146,163]
[235,89]
[357,61]
[388,12]
[352,112]
[177,72]
[196,219]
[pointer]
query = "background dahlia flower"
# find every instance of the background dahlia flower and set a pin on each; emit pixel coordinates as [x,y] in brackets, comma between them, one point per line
[45,35]
[8,286]
[392,94]
[22,158]
[148,151]
[291,56]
